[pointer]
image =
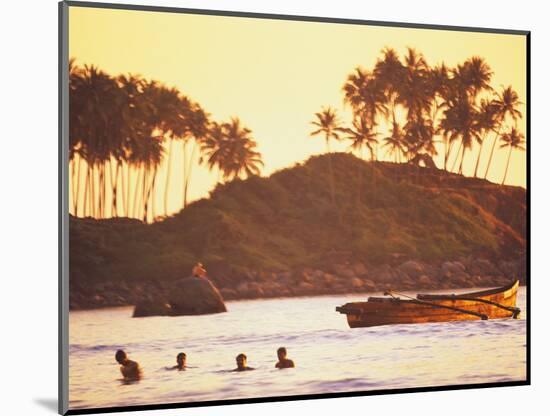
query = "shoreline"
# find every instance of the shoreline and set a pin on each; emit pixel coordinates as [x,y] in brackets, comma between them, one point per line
[346,278]
[319,295]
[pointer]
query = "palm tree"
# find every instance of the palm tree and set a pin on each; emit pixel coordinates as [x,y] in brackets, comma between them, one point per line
[418,138]
[395,142]
[513,140]
[461,122]
[478,76]
[361,134]
[390,72]
[328,124]
[153,154]
[486,123]
[240,157]
[366,95]
[197,129]
[93,98]
[172,108]
[506,105]
[212,148]
[439,84]
[415,91]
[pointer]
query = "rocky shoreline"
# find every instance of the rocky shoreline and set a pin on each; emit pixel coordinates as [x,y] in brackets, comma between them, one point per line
[348,277]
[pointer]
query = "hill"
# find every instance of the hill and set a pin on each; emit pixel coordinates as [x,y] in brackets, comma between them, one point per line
[382,214]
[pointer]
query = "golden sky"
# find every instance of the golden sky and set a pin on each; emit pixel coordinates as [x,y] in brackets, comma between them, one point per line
[274,75]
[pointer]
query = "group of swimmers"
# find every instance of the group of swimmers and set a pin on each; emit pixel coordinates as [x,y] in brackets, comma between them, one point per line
[131,371]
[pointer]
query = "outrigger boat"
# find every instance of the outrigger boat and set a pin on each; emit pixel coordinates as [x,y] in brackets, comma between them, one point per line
[486,304]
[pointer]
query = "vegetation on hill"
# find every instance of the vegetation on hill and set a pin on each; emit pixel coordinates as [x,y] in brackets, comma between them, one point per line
[289,221]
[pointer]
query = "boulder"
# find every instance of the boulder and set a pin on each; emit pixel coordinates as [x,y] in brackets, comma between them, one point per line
[412,268]
[149,307]
[195,296]
[382,274]
[356,283]
[369,284]
[343,270]
[359,269]
[449,268]
[482,266]
[425,281]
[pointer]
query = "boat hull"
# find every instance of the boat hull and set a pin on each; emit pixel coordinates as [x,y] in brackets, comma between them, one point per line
[433,308]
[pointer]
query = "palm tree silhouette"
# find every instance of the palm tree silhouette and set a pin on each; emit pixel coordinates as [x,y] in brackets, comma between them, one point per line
[390,72]
[212,148]
[506,105]
[439,84]
[230,148]
[241,159]
[478,76]
[366,95]
[395,142]
[461,122]
[513,140]
[197,129]
[486,123]
[361,135]
[328,125]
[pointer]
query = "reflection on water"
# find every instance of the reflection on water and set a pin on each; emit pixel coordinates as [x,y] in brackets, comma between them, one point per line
[329,356]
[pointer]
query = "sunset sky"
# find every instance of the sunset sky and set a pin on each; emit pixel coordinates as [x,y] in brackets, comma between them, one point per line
[274,75]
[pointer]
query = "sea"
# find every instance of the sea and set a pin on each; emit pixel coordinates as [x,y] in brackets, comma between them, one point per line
[329,356]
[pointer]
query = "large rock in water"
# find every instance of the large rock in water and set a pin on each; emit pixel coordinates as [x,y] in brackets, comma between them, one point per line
[195,296]
[150,307]
[189,296]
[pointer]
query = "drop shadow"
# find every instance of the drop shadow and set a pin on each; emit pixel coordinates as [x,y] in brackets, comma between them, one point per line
[49,404]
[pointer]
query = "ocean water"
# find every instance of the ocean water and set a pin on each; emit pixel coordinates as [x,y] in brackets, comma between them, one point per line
[329,356]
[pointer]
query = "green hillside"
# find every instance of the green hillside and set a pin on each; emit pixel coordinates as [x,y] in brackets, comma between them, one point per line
[287,221]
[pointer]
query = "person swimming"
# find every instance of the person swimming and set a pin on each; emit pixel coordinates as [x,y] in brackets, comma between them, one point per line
[241,363]
[130,370]
[181,362]
[283,361]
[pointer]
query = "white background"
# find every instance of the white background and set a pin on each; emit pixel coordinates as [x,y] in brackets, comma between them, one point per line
[28,205]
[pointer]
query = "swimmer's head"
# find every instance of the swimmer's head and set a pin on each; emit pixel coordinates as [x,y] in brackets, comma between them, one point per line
[180,359]
[281,353]
[241,360]
[120,356]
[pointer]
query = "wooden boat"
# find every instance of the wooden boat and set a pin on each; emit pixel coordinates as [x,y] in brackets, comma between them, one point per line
[486,304]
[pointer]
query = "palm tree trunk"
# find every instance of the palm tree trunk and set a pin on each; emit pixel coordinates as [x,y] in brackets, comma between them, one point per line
[184,183]
[99,186]
[86,183]
[479,155]
[456,158]
[73,186]
[77,185]
[114,187]
[188,176]
[360,166]
[92,192]
[507,164]
[128,186]
[331,172]
[145,193]
[168,173]
[153,194]
[462,159]
[136,192]
[492,150]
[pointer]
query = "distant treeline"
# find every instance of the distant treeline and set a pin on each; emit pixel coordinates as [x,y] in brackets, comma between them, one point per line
[422,105]
[123,127]
[120,124]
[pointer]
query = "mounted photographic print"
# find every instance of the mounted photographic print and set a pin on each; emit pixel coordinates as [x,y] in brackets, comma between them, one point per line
[264,208]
